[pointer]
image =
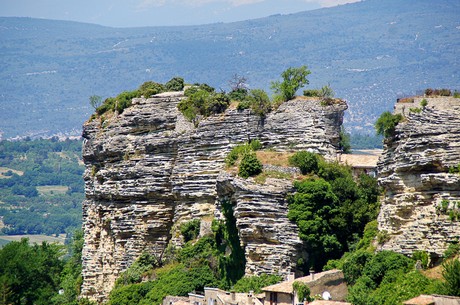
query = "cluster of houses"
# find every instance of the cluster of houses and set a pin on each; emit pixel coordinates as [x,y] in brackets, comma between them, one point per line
[328,287]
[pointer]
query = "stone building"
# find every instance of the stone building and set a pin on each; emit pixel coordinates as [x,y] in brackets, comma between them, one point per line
[283,293]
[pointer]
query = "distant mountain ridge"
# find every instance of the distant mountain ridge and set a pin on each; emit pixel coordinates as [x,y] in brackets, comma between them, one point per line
[370,52]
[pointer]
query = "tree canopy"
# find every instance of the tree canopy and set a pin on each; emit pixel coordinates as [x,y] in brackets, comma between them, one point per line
[293,80]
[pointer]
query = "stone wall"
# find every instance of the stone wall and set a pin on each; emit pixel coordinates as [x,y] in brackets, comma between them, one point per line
[149,169]
[414,171]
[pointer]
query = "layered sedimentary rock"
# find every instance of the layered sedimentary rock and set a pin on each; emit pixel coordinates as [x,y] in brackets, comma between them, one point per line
[271,242]
[148,169]
[421,197]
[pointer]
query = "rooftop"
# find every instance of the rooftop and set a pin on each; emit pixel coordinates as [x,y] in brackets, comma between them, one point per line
[286,286]
[364,159]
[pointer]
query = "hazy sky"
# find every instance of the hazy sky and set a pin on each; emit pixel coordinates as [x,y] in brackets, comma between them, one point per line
[129,13]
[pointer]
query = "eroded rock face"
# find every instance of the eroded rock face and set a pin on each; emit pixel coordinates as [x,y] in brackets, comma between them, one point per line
[149,169]
[270,240]
[414,171]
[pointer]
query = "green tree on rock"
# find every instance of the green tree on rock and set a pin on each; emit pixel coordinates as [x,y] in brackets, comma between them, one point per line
[386,123]
[293,80]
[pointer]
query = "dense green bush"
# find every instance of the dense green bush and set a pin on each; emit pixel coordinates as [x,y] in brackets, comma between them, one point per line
[396,288]
[386,278]
[137,270]
[452,250]
[311,93]
[147,89]
[203,101]
[451,274]
[249,166]
[344,144]
[119,103]
[307,162]
[258,101]
[423,257]
[238,94]
[150,88]
[331,209]
[175,84]
[190,230]
[302,290]
[240,150]
[386,123]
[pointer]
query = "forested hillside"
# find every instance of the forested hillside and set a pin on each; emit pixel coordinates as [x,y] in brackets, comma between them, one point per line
[41,186]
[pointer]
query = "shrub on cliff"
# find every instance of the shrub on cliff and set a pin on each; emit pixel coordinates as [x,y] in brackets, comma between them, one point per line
[386,278]
[147,89]
[386,123]
[306,161]
[150,88]
[238,94]
[439,92]
[240,150]
[203,101]
[119,103]
[293,80]
[175,84]
[190,230]
[249,166]
[344,143]
[311,93]
[258,101]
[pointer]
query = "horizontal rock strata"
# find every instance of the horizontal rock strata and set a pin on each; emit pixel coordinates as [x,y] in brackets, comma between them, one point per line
[148,170]
[414,171]
[270,240]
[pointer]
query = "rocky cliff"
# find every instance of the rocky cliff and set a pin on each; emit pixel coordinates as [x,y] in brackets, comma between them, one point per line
[149,169]
[421,200]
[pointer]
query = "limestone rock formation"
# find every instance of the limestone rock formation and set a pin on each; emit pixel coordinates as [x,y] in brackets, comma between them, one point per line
[148,169]
[421,196]
[271,242]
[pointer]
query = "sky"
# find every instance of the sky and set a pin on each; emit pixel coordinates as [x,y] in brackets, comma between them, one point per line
[135,13]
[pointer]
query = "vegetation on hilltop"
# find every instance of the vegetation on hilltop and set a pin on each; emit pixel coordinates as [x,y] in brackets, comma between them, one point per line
[293,80]
[386,123]
[147,89]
